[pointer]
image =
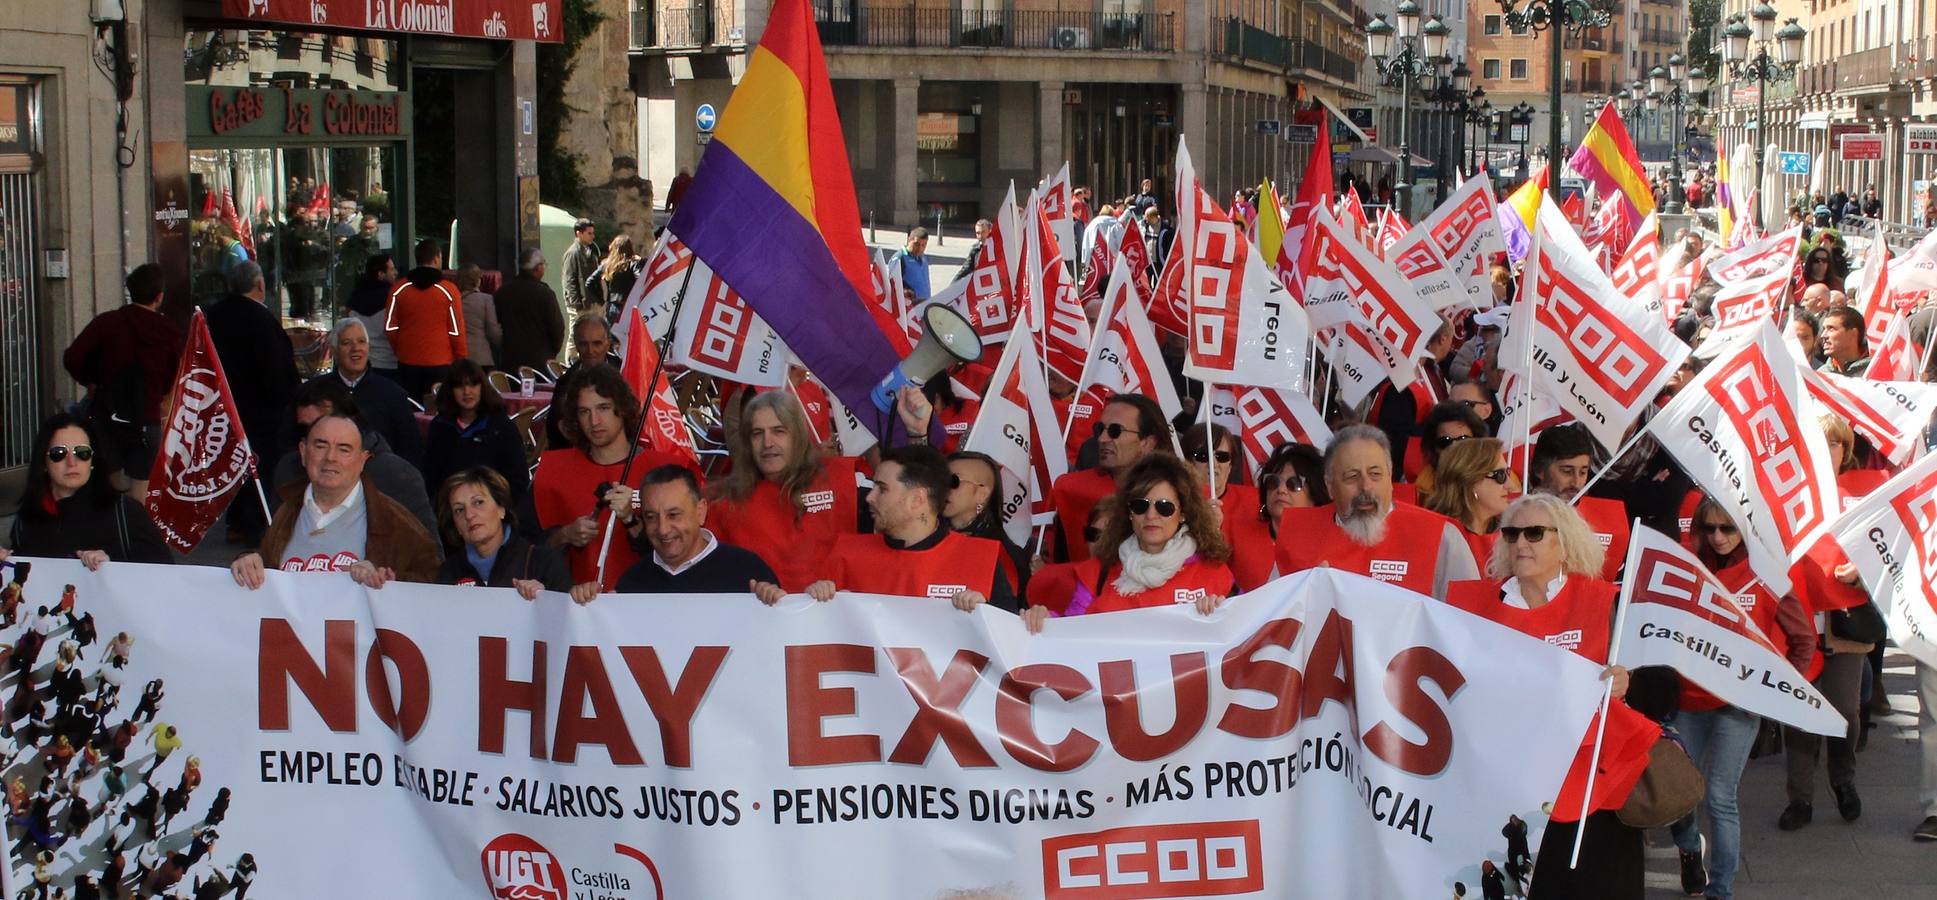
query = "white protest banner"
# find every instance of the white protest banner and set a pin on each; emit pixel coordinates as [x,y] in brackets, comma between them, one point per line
[989,296]
[431,741]
[1681,616]
[1891,537]
[1739,431]
[1064,328]
[1603,356]
[1917,270]
[1896,358]
[1268,418]
[1432,278]
[1892,415]
[1124,357]
[1362,364]
[1742,306]
[1015,426]
[1345,285]
[654,291]
[1244,326]
[854,437]
[1636,272]
[1769,256]
[717,332]
[1466,233]
[1055,206]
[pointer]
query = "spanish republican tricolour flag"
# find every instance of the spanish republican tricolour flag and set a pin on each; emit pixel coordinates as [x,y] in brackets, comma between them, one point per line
[1607,158]
[772,212]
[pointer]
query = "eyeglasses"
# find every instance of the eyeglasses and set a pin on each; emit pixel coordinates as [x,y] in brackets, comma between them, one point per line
[1114,430]
[1274,481]
[1448,440]
[1712,529]
[1533,533]
[1092,534]
[59,452]
[1223,457]
[1142,505]
[1498,476]
[1472,404]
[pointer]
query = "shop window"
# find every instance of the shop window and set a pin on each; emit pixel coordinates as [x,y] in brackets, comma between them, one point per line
[948,148]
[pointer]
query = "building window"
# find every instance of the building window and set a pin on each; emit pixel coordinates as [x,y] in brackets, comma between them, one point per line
[1517,28]
[1490,68]
[1492,24]
[1517,70]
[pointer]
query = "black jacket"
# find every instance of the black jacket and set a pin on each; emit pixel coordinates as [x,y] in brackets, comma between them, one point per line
[492,442]
[119,528]
[386,409]
[260,365]
[534,329]
[518,558]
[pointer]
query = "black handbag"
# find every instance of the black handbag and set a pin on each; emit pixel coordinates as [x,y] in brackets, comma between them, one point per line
[1862,624]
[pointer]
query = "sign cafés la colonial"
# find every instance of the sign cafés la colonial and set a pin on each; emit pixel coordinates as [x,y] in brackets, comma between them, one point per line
[258,112]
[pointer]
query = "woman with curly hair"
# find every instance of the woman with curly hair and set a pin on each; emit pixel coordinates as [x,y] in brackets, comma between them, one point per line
[1160,545]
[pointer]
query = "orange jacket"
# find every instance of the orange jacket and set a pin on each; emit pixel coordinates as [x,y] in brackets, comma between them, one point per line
[425,321]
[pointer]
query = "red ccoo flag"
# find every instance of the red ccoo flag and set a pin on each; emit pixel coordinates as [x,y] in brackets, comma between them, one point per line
[665,429]
[205,458]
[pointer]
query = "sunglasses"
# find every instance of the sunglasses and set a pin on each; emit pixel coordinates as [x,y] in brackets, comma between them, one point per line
[1223,457]
[1472,404]
[1445,440]
[1092,534]
[1114,430]
[1142,505]
[1533,533]
[955,481]
[59,452]
[1711,529]
[1274,481]
[1498,476]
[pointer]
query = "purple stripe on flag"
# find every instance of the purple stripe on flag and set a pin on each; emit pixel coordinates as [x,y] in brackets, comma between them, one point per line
[1518,239]
[762,247]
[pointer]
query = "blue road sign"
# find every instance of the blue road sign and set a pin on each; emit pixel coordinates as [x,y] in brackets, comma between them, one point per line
[1794,163]
[705,117]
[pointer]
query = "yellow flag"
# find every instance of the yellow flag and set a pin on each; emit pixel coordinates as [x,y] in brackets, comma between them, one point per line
[1271,231]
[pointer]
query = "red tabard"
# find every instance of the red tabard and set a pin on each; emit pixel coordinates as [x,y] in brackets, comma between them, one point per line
[1074,495]
[1858,483]
[866,564]
[1580,619]
[565,487]
[956,422]
[1761,605]
[1081,430]
[1252,556]
[1608,519]
[796,548]
[1052,585]
[1309,537]
[1686,518]
[1481,545]
[1198,578]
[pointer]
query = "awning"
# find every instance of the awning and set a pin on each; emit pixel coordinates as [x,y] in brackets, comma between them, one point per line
[1813,121]
[1373,153]
[1342,119]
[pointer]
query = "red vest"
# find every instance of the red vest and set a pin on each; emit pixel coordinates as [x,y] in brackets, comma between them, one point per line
[1608,519]
[1198,578]
[1252,553]
[565,487]
[956,422]
[1481,545]
[1074,495]
[1082,428]
[866,564]
[1761,605]
[1308,537]
[1052,586]
[795,547]
[1858,483]
[1686,518]
[1579,618]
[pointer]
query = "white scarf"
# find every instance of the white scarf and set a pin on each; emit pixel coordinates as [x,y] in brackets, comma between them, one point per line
[1142,571]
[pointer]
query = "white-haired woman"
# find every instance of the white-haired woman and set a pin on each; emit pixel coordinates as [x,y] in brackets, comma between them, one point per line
[1543,579]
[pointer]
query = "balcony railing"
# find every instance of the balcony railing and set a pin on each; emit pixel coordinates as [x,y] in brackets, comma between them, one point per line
[1661,36]
[1907,61]
[1315,58]
[1244,41]
[688,27]
[901,26]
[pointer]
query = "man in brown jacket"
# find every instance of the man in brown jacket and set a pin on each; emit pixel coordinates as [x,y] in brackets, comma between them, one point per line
[335,521]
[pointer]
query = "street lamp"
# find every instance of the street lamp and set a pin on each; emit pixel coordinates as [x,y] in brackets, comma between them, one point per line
[1674,87]
[1417,53]
[1577,16]
[1453,97]
[1521,120]
[1763,68]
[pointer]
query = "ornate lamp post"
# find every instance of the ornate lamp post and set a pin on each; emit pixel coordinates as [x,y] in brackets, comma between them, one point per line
[1673,88]
[1746,53]
[1576,16]
[1520,119]
[1453,96]
[1419,54]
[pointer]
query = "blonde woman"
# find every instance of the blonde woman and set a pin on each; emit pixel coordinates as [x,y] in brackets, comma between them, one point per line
[1471,485]
[616,275]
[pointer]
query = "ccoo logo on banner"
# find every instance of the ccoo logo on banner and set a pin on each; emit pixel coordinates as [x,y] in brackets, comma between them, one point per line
[460,741]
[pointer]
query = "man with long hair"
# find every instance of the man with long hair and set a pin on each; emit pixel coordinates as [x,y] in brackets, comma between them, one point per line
[1362,531]
[784,499]
[574,491]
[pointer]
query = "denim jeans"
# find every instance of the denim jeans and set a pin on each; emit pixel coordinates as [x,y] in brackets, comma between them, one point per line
[1718,740]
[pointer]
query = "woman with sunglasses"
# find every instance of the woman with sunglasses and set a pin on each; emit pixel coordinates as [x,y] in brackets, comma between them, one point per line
[1248,538]
[1293,476]
[1160,545]
[1817,268]
[70,509]
[1471,486]
[1719,736]
[1445,424]
[1543,580]
[974,508]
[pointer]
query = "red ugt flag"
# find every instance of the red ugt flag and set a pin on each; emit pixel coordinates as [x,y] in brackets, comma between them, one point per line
[205,457]
[665,429]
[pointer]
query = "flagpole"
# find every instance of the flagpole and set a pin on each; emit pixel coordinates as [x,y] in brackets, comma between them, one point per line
[1603,470]
[809,419]
[1210,442]
[645,413]
[1607,701]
